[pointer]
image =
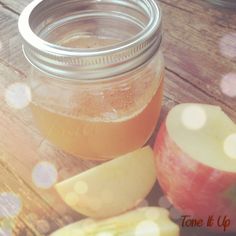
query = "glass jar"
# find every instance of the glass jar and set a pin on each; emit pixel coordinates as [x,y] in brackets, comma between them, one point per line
[97,73]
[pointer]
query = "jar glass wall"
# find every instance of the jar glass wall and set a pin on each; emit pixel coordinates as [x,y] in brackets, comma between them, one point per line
[100,120]
[97,73]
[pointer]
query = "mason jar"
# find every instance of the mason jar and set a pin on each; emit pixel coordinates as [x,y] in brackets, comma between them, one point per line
[97,73]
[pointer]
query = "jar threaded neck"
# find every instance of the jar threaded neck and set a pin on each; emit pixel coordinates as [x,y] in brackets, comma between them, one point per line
[42,21]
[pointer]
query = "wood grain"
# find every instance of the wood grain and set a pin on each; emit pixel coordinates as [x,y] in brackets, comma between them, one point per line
[193,51]
[15,6]
[195,67]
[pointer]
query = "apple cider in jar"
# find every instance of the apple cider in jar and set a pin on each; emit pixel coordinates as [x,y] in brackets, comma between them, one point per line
[97,73]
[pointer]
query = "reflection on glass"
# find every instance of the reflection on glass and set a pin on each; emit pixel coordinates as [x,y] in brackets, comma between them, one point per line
[228,85]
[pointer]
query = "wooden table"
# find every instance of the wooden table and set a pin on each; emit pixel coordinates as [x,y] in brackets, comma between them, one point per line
[200,52]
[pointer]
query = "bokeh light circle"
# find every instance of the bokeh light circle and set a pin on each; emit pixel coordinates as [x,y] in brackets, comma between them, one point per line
[194,117]
[7,226]
[5,232]
[18,95]
[105,234]
[147,228]
[43,226]
[44,175]
[230,146]
[228,85]
[10,205]
[164,202]
[228,45]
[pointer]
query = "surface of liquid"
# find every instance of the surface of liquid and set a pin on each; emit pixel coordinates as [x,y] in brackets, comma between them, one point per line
[93,130]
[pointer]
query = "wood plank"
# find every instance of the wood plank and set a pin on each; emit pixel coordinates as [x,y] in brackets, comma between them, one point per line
[224,16]
[16,6]
[10,42]
[192,47]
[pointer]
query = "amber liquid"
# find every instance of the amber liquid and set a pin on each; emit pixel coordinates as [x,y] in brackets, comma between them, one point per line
[97,138]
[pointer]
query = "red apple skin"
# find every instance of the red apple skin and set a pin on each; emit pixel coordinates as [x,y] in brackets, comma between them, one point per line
[194,188]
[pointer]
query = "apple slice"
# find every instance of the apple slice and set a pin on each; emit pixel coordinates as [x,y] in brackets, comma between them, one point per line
[113,187]
[195,155]
[150,221]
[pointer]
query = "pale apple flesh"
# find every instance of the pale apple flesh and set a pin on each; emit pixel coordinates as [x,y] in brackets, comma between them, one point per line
[149,221]
[113,187]
[190,169]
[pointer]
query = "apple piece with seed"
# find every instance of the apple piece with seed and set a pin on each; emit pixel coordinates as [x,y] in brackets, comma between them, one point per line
[112,187]
[195,153]
[150,221]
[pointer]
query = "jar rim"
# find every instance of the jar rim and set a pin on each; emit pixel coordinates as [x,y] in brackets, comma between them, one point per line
[60,61]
